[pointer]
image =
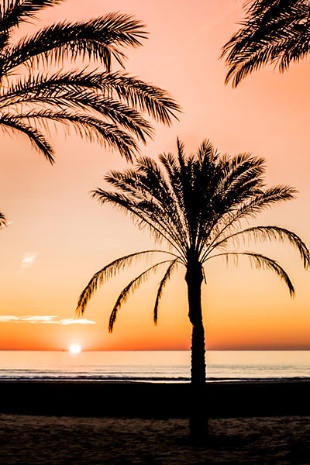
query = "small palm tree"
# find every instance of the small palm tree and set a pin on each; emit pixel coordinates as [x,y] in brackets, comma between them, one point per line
[197,206]
[275,32]
[101,105]
[2,220]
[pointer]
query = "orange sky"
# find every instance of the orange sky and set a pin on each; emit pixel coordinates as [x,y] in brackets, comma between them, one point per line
[59,236]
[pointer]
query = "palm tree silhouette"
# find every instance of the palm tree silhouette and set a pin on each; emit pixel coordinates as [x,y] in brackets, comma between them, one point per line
[197,205]
[2,220]
[274,32]
[38,85]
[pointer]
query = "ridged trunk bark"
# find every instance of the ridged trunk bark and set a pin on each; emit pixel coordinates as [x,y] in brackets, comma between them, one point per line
[198,415]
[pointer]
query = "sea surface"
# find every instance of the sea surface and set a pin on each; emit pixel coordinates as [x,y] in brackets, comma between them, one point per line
[152,366]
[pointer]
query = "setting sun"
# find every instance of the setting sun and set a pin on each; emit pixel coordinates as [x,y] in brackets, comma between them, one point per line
[75,349]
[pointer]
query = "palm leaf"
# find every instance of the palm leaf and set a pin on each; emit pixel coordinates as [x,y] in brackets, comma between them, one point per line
[224,224]
[131,287]
[106,273]
[3,221]
[145,215]
[260,262]
[96,39]
[274,31]
[273,233]
[91,128]
[161,287]
[146,97]
[12,12]
[37,139]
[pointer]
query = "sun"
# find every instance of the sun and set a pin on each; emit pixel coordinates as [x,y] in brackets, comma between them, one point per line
[75,349]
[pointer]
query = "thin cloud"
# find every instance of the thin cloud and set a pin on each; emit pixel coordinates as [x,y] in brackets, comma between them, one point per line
[39,319]
[74,321]
[28,260]
[44,319]
[8,318]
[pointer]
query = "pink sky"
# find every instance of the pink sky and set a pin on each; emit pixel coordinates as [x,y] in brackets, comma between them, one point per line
[59,236]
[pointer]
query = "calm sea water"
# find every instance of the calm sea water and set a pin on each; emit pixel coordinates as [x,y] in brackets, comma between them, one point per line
[154,366]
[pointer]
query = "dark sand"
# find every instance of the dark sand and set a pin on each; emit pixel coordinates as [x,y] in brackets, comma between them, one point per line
[30,433]
[129,441]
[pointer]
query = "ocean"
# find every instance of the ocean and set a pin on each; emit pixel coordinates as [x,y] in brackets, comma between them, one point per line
[152,366]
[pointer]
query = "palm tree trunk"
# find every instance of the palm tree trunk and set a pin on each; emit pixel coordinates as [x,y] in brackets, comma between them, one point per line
[198,416]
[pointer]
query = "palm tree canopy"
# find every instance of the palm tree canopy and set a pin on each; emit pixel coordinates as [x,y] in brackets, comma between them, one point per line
[274,31]
[105,106]
[197,205]
[2,220]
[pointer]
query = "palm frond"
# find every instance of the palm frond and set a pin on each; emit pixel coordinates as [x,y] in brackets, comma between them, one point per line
[13,12]
[260,262]
[93,129]
[144,96]
[117,86]
[96,103]
[275,32]
[85,93]
[99,39]
[274,233]
[108,272]
[3,221]
[85,100]
[113,95]
[224,224]
[145,214]
[161,287]
[37,139]
[131,287]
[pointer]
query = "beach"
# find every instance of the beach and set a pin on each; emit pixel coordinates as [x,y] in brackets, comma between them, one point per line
[132,441]
[122,424]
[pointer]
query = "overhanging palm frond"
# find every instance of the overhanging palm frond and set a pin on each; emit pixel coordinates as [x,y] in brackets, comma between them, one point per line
[63,92]
[93,129]
[146,97]
[108,272]
[260,262]
[131,287]
[99,39]
[273,31]
[95,102]
[14,12]
[110,88]
[37,139]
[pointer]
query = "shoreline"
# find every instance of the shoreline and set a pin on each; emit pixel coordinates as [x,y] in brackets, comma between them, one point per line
[224,399]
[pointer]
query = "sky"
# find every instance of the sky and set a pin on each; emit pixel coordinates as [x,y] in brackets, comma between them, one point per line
[59,236]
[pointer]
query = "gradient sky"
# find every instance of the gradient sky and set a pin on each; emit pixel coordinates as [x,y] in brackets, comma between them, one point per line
[59,236]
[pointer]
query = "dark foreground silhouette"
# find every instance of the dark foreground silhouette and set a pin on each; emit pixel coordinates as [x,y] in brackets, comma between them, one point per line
[154,400]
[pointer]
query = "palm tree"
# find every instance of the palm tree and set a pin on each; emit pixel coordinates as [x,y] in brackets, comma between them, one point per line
[38,84]
[197,205]
[2,220]
[274,31]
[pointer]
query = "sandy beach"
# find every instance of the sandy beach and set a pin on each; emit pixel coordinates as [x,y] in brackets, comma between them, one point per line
[123,424]
[129,441]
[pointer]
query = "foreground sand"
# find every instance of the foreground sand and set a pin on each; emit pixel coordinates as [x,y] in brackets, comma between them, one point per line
[128,441]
